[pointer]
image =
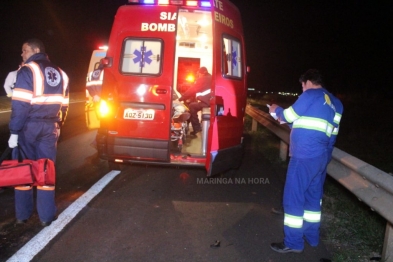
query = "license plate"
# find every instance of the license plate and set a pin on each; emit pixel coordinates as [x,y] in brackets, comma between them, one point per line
[139,114]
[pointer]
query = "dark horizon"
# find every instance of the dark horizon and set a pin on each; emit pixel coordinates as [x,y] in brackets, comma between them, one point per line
[349,42]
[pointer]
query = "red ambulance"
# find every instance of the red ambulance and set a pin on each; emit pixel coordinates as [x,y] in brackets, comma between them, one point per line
[155,48]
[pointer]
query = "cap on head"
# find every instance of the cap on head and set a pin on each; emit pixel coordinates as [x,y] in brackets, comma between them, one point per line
[202,70]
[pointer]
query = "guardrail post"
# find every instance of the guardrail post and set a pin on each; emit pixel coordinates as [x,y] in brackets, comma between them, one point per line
[254,125]
[387,252]
[283,150]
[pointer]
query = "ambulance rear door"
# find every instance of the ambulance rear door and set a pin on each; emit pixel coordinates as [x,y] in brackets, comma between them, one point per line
[225,150]
[142,76]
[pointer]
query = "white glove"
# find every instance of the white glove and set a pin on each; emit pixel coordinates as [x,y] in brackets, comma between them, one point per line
[13,141]
[96,98]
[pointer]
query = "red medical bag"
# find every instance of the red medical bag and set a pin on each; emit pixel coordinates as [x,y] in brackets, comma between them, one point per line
[16,172]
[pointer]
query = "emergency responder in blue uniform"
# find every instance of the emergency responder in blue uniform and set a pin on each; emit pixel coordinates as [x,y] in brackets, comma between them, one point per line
[313,117]
[39,107]
[201,89]
[94,85]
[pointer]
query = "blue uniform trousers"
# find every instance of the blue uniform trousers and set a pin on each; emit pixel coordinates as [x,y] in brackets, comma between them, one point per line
[301,201]
[38,139]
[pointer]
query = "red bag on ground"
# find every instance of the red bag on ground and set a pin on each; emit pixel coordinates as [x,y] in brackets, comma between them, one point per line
[44,172]
[15,172]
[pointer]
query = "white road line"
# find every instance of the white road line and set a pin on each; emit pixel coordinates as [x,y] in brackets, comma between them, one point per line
[37,243]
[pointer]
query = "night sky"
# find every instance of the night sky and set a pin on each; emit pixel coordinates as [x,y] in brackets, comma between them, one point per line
[349,41]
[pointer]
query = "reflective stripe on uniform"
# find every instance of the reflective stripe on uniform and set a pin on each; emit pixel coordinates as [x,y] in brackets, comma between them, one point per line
[66,101]
[53,99]
[313,123]
[335,131]
[290,114]
[23,188]
[293,221]
[94,83]
[38,78]
[22,95]
[312,216]
[337,118]
[203,93]
[47,188]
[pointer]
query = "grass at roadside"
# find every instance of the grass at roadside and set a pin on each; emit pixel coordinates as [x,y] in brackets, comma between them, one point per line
[351,230]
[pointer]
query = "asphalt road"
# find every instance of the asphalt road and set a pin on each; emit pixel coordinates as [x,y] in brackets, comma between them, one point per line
[77,169]
[150,213]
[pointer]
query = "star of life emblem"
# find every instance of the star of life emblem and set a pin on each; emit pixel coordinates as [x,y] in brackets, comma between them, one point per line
[96,73]
[52,76]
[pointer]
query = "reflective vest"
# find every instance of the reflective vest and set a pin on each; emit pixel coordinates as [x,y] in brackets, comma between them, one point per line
[44,86]
[95,78]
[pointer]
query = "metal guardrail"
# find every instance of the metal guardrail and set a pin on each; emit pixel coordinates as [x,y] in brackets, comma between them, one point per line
[368,183]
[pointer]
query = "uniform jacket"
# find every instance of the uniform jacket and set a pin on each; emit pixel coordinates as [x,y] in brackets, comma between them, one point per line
[337,118]
[40,93]
[94,85]
[312,118]
[201,89]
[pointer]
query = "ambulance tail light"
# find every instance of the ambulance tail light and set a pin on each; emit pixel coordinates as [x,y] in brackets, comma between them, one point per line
[104,109]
